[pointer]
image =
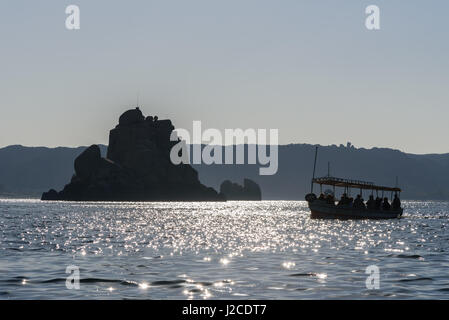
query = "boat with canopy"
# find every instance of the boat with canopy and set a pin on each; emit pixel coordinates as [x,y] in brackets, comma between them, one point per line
[325,206]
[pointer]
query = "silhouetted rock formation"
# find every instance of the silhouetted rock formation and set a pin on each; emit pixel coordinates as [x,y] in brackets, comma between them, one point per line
[233,191]
[52,194]
[137,167]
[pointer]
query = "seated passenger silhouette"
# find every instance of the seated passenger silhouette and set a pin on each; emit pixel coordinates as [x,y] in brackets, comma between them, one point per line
[396,204]
[371,203]
[378,203]
[321,197]
[351,201]
[344,200]
[386,205]
[330,199]
[358,202]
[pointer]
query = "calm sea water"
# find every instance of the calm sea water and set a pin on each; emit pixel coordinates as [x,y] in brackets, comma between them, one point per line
[235,250]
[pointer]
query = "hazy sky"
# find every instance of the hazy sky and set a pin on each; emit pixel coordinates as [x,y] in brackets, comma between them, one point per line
[309,68]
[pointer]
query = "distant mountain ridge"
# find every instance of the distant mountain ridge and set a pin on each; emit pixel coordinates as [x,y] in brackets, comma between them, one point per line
[28,171]
[24,171]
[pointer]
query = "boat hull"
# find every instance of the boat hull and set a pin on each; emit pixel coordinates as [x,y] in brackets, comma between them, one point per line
[328,211]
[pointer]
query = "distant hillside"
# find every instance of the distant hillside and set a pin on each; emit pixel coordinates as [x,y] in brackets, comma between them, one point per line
[29,171]
[420,176]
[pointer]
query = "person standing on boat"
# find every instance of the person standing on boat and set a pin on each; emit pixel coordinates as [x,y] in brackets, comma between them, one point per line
[396,202]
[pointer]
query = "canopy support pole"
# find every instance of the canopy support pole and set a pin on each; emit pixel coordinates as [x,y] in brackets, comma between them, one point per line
[314,167]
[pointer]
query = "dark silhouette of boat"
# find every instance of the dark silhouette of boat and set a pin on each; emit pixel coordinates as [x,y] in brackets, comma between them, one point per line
[324,207]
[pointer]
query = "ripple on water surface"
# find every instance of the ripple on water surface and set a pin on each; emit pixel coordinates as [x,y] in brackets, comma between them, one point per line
[238,250]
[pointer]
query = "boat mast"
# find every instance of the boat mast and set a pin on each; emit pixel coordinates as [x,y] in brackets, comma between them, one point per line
[314,167]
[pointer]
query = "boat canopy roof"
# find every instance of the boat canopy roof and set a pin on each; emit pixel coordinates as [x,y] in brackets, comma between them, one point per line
[356,184]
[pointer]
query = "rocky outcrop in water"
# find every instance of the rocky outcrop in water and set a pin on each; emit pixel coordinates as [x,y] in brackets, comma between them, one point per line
[137,167]
[233,191]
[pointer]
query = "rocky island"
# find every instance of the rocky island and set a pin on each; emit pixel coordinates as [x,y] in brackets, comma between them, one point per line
[233,191]
[137,167]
